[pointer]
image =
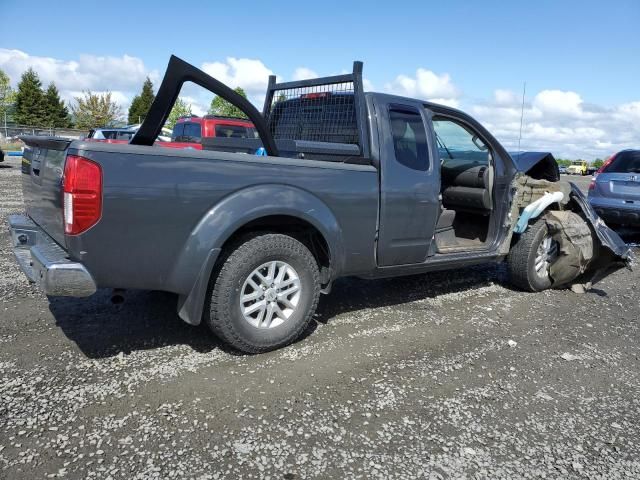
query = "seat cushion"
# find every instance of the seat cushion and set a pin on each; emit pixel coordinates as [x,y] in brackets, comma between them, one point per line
[467,198]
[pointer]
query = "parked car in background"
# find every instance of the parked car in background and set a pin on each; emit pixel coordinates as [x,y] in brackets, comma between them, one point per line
[562,170]
[125,133]
[614,192]
[192,129]
[578,167]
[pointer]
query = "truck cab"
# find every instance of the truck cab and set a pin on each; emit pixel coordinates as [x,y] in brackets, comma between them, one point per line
[578,167]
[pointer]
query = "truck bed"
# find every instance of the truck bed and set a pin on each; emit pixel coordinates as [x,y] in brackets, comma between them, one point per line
[154,199]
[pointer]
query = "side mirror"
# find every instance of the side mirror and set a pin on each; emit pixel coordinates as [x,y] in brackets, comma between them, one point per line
[479,143]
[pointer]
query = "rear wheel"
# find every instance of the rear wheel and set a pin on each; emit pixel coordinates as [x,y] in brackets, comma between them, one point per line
[531,256]
[265,293]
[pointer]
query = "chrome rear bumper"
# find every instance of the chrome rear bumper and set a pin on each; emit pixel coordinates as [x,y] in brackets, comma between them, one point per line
[46,263]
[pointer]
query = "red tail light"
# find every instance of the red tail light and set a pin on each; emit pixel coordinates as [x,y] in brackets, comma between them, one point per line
[311,96]
[607,163]
[592,184]
[82,186]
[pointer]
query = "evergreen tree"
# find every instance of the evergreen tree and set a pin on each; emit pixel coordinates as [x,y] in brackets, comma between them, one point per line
[141,103]
[57,113]
[30,104]
[219,106]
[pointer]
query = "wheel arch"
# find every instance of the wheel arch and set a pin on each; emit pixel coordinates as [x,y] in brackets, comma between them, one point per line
[275,208]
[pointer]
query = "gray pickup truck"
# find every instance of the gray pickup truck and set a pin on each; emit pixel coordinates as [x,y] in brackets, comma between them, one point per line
[249,232]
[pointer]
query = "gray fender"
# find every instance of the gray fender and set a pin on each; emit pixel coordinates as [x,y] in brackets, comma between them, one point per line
[192,269]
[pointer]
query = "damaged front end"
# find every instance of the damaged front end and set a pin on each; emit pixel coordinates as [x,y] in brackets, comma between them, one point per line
[588,250]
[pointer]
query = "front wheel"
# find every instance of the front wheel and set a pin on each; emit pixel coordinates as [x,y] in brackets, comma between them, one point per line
[531,257]
[265,293]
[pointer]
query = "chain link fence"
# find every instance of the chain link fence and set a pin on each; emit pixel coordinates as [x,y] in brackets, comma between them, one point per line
[10,132]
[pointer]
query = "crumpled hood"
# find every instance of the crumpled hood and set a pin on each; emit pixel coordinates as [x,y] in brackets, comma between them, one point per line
[540,165]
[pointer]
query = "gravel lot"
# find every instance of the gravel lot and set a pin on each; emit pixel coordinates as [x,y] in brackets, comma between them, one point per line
[449,375]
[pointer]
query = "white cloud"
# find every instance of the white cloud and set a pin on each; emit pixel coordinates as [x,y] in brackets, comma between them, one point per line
[556,120]
[562,123]
[123,76]
[304,73]
[426,85]
[89,72]
[560,103]
[505,97]
[250,74]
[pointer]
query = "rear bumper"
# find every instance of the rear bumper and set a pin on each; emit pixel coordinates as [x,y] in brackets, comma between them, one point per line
[616,215]
[44,262]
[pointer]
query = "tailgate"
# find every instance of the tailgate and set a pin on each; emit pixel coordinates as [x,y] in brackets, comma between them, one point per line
[625,186]
[42,168]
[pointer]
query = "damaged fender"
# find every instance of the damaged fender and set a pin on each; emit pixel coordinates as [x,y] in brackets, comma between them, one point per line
[588,249]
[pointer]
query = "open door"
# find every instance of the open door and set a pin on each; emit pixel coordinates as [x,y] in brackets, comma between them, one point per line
[409,186]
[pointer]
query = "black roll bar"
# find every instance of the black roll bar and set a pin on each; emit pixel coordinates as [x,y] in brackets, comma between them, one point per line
[178,72]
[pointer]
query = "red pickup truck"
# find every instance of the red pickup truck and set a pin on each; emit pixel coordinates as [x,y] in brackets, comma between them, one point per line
[189,130]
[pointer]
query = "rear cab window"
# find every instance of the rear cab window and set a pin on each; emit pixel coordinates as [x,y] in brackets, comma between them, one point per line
[409,138]
[234,131]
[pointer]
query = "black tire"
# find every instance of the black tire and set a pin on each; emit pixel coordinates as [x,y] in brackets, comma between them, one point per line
[225,317]
[521,259]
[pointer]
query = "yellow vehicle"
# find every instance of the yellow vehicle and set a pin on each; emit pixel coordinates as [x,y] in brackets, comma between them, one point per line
[578,167]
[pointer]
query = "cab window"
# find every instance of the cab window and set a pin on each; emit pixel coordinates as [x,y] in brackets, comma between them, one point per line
[409,139]
[178,132]
[458,143]
[192,132]
[233,131]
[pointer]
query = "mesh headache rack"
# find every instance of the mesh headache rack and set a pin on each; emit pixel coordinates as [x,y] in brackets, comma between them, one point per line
[319,110]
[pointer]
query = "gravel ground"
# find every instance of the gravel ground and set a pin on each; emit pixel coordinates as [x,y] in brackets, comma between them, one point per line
[448,375]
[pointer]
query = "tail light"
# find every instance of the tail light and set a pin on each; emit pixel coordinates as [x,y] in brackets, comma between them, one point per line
[314,95]
[607,163]
[82,187]
[592,184]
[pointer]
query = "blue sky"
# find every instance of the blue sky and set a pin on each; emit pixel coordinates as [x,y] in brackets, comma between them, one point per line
[472,49]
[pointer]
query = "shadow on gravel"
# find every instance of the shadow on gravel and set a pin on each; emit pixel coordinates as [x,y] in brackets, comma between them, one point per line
[5,166]
[148,319]
[352,294]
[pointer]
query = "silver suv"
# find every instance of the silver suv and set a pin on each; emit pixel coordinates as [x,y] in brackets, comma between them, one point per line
[614,192]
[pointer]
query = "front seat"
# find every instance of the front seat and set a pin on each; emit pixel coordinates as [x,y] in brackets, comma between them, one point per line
[469,188]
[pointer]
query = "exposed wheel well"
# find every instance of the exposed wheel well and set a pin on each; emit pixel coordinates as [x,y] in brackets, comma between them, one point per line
[295,227]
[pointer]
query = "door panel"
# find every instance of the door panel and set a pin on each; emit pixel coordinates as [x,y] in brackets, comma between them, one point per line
[409,185]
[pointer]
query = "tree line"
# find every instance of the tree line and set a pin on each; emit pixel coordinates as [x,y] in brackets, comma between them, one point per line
[33,105]
[563,162]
